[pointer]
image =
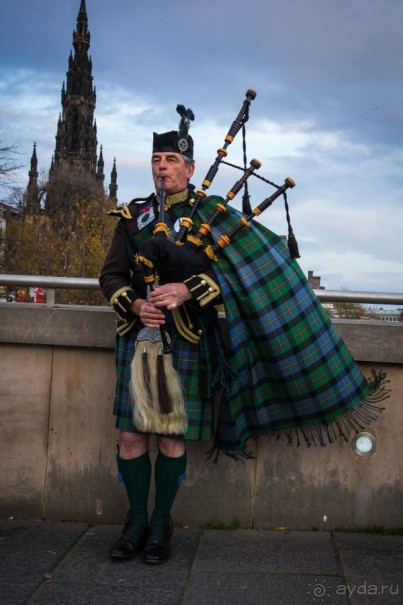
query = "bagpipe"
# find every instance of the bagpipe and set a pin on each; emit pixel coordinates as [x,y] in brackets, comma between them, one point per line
[175,258]
[159,402]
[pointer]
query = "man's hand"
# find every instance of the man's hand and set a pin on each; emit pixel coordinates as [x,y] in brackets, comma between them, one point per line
[150,316]
[170,296]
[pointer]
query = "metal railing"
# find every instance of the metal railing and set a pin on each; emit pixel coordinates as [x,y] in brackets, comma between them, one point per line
[48,281]
[85,283]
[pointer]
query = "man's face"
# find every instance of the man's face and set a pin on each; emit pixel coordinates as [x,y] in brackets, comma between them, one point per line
[172,166]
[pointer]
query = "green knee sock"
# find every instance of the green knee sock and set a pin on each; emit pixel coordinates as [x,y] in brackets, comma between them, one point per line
[169,472]
[136,475]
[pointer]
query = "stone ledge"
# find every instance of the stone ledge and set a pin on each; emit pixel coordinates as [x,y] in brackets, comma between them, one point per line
[85,326]
[61,325]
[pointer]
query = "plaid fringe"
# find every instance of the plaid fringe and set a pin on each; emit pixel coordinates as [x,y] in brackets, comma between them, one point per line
[326,432]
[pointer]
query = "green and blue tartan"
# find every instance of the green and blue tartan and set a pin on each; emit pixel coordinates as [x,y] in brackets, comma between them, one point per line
[290,370]
[198,366]
[287,370]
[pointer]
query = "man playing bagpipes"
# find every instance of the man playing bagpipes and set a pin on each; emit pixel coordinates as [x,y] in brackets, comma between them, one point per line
[176,255]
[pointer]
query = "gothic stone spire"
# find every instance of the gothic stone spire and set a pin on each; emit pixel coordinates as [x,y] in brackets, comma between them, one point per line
[81,36]
[76,138]
[113,187]
[32,201]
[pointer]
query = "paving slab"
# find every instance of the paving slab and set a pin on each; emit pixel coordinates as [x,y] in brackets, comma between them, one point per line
[267,552]
[137,593]
[236,588]
[87,574]
[373,567]
[29,549]
[255,567]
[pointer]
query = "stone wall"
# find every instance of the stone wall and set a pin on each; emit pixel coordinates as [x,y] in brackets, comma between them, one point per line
[57,437]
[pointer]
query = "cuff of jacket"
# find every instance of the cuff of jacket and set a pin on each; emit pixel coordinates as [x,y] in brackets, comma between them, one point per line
[124,326]
[121,301]
[204,289]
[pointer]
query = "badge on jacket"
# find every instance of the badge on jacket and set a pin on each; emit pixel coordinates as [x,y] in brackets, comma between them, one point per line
[146,216]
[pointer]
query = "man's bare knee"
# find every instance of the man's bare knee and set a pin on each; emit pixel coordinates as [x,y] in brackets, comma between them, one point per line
[174,448]
[132,445]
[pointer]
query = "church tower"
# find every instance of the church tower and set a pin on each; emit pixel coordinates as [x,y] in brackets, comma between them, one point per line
[75,167]
[76,138]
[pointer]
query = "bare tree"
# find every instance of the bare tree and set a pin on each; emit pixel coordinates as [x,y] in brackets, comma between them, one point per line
[9,164]
[350,310]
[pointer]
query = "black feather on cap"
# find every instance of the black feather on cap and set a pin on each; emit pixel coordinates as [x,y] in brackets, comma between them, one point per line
[177,141]
[187,116]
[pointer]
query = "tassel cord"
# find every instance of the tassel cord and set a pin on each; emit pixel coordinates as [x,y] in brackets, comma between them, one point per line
[164,400]
[246,206]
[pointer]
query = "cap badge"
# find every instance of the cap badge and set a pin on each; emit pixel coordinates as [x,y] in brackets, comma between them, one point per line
[182,145]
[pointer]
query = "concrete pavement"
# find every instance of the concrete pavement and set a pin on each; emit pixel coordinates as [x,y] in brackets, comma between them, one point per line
[63,563]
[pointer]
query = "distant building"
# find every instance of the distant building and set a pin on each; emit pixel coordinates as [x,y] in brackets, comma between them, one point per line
[75,155]
[347,310]
[388,315]
[314,281]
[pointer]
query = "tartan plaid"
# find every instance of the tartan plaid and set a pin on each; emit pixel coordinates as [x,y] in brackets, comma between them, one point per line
[198,367]
[288,369]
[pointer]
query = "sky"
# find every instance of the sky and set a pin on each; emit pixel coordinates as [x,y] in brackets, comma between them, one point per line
[328,111]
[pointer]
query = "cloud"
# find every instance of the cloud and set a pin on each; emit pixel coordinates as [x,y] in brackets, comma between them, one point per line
[327,111]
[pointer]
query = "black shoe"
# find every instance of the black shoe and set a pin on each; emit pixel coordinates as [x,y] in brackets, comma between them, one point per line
[158,545]
[132,541]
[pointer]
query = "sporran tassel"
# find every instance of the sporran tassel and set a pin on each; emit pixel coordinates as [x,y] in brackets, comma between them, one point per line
[146,370]
[163,391]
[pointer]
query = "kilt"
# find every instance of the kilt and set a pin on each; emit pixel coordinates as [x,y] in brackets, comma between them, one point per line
[200,368]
